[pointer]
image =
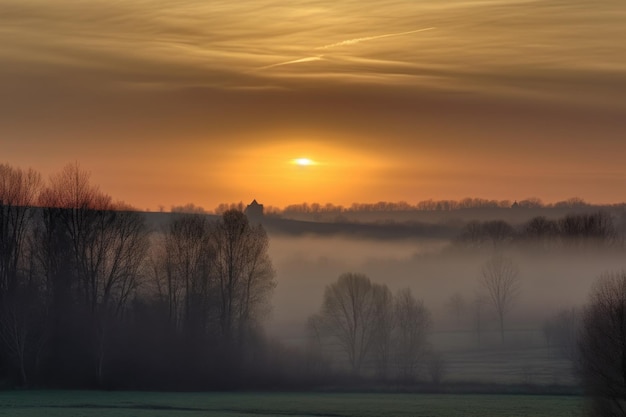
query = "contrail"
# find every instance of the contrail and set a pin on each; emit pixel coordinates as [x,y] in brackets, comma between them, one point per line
[295,61]
[342,43]
[371,38]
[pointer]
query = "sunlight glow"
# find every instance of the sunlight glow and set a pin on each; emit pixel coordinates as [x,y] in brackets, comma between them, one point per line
[303,162]
[305,169]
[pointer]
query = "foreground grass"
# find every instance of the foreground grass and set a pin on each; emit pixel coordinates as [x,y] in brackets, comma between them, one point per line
[126,404]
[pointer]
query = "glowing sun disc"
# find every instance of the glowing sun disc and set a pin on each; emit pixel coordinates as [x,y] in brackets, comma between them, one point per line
[303,162]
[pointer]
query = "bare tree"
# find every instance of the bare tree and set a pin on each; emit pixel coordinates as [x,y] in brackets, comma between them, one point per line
[498,232]
[186,257]
[477,234]
[384,323]
[472,234]
[540,229]
[412,324]
[500,278]
[315,360]
[108,244]
[588,228]
[21,331]
[602,346]
[243,272]
[19,288]
[18,193]
[109,241]
[348,312]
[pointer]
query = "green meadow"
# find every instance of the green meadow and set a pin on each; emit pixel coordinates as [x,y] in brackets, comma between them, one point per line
[127,404]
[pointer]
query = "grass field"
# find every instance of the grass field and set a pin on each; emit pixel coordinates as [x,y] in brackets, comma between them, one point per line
[126,404]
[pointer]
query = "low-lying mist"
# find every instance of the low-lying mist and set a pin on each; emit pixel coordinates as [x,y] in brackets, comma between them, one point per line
[434,270]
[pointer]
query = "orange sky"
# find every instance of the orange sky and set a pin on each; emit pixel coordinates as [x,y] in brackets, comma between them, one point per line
[172,102]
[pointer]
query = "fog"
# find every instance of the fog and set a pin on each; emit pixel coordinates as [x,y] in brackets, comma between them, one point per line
[305,265]
[434,270]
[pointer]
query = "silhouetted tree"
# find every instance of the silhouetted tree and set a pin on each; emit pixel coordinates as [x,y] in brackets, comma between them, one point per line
[500,279]
[384,322]
[213,280]
[498,232]
[21,328]
[495,232]
[19,287]
[368,323]
[188,208]
[412,324]
[75,310]
[472,234]
[107,246]
[602,346]
[186,256]
[573,202]
[541,230]
[348,313]
[314,343]
[530,203]
[596,228]
[243,272]
[18,193]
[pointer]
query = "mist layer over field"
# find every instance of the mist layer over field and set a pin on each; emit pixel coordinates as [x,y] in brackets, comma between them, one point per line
[436,270]
[432,269]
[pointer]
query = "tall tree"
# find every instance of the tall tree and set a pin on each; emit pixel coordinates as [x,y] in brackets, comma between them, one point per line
[187,257]
[107,245]
[19,287]
[348,312]
[500,278]
[18,193]
[384,324]
[243,272]
[602,346]
[412,323]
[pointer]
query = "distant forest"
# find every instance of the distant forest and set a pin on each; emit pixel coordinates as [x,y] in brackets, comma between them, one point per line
[403,206]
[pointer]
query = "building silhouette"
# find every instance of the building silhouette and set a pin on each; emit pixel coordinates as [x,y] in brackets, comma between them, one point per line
[254,211]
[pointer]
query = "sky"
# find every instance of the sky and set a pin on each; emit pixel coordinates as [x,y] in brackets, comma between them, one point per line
[193,101]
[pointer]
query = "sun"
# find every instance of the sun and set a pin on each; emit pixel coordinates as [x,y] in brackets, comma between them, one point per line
[303,162]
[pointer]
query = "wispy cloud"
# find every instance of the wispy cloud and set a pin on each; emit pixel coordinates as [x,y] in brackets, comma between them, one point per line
[295,61]
[343,43]
[371,38]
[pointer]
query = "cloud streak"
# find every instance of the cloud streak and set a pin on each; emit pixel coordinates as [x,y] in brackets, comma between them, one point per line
[295,61]
[372,38]
[343,43]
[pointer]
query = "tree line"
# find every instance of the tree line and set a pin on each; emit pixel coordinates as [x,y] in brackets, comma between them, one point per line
[403,206]
[583,229]
[90,297]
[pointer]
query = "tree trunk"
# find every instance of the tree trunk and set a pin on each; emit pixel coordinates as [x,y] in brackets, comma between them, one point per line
[23,373]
